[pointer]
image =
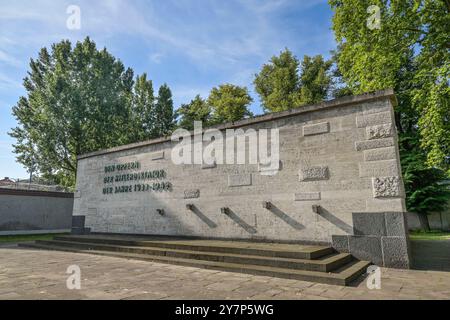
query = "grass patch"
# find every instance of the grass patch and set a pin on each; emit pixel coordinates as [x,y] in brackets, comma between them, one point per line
[430,235]
[27,237]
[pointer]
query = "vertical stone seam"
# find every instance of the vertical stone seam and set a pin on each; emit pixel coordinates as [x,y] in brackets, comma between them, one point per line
[381,239]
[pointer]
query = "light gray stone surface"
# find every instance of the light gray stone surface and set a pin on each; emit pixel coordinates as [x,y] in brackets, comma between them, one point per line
[243,188]
[307,196]
[318,128]
[385,204]
[158,155]
[373,144]
[380,154]
[378,168]
[374,119]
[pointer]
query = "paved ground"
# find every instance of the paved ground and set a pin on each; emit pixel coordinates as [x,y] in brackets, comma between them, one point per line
[32,274]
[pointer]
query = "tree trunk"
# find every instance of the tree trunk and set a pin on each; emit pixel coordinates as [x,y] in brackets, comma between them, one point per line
[424,223]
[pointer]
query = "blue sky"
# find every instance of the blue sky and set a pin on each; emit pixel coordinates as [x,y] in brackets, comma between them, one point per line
[193,45]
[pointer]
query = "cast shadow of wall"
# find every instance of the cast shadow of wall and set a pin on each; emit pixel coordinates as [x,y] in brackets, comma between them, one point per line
[244,225]
[286,218]
[202,217]
[327,215]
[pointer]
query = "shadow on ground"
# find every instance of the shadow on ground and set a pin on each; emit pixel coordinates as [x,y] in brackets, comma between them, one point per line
[431,255]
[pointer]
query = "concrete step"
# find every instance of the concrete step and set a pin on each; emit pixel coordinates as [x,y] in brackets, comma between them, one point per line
[344,277]
[292,251]
[325,264]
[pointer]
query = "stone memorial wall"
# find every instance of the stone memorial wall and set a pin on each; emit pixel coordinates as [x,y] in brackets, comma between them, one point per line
[337,159]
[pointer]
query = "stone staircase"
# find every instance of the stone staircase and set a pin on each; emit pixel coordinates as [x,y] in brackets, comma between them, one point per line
[293,261]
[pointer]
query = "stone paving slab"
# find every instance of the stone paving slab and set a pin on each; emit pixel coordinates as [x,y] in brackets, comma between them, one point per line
[40,274]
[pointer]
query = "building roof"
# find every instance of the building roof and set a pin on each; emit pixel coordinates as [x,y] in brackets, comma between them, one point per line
[6,180]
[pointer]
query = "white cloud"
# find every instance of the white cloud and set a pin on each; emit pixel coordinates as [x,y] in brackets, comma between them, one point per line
[156,57]
[7,82]
[9,60]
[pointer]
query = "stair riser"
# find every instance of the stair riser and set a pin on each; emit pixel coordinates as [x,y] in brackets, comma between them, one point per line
[318,279]
[255,252]
[200,256]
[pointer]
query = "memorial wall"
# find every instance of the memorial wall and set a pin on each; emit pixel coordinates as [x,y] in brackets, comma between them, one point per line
[336,159]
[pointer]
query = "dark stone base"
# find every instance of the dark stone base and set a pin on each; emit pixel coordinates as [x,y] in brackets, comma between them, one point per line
[378,237]
[81,231]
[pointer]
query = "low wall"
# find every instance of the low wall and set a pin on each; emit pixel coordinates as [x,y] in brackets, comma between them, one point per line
[34,212]
[437,221]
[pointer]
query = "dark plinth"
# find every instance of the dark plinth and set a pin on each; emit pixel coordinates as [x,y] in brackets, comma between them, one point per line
[378,237]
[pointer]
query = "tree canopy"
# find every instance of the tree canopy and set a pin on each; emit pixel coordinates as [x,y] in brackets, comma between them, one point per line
[407,51]
[78,100]
[284,83]
[163,113]
[81,99]
[229,103]
[196,110]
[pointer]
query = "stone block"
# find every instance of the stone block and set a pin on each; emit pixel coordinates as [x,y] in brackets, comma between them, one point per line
[313,129]
[373,119]
[307,196]
[238,180]
[192,194]
[374,144]
[80,231]
[78,221]
[314,173]
[383,168]
[385,205]
[386,187]
[340,243]
[395,252]
[369,224]
[366,248]
[380,154]
[380,131]
[395,224]
[157,155]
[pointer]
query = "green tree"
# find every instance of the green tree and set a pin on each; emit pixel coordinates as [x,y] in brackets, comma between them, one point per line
[281,85]
[78,100]
[424,191]
[164,115]
[315,79]
[197,110]
[278,82]
[413,32]
[408,52]
[229,103]
[143,109]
